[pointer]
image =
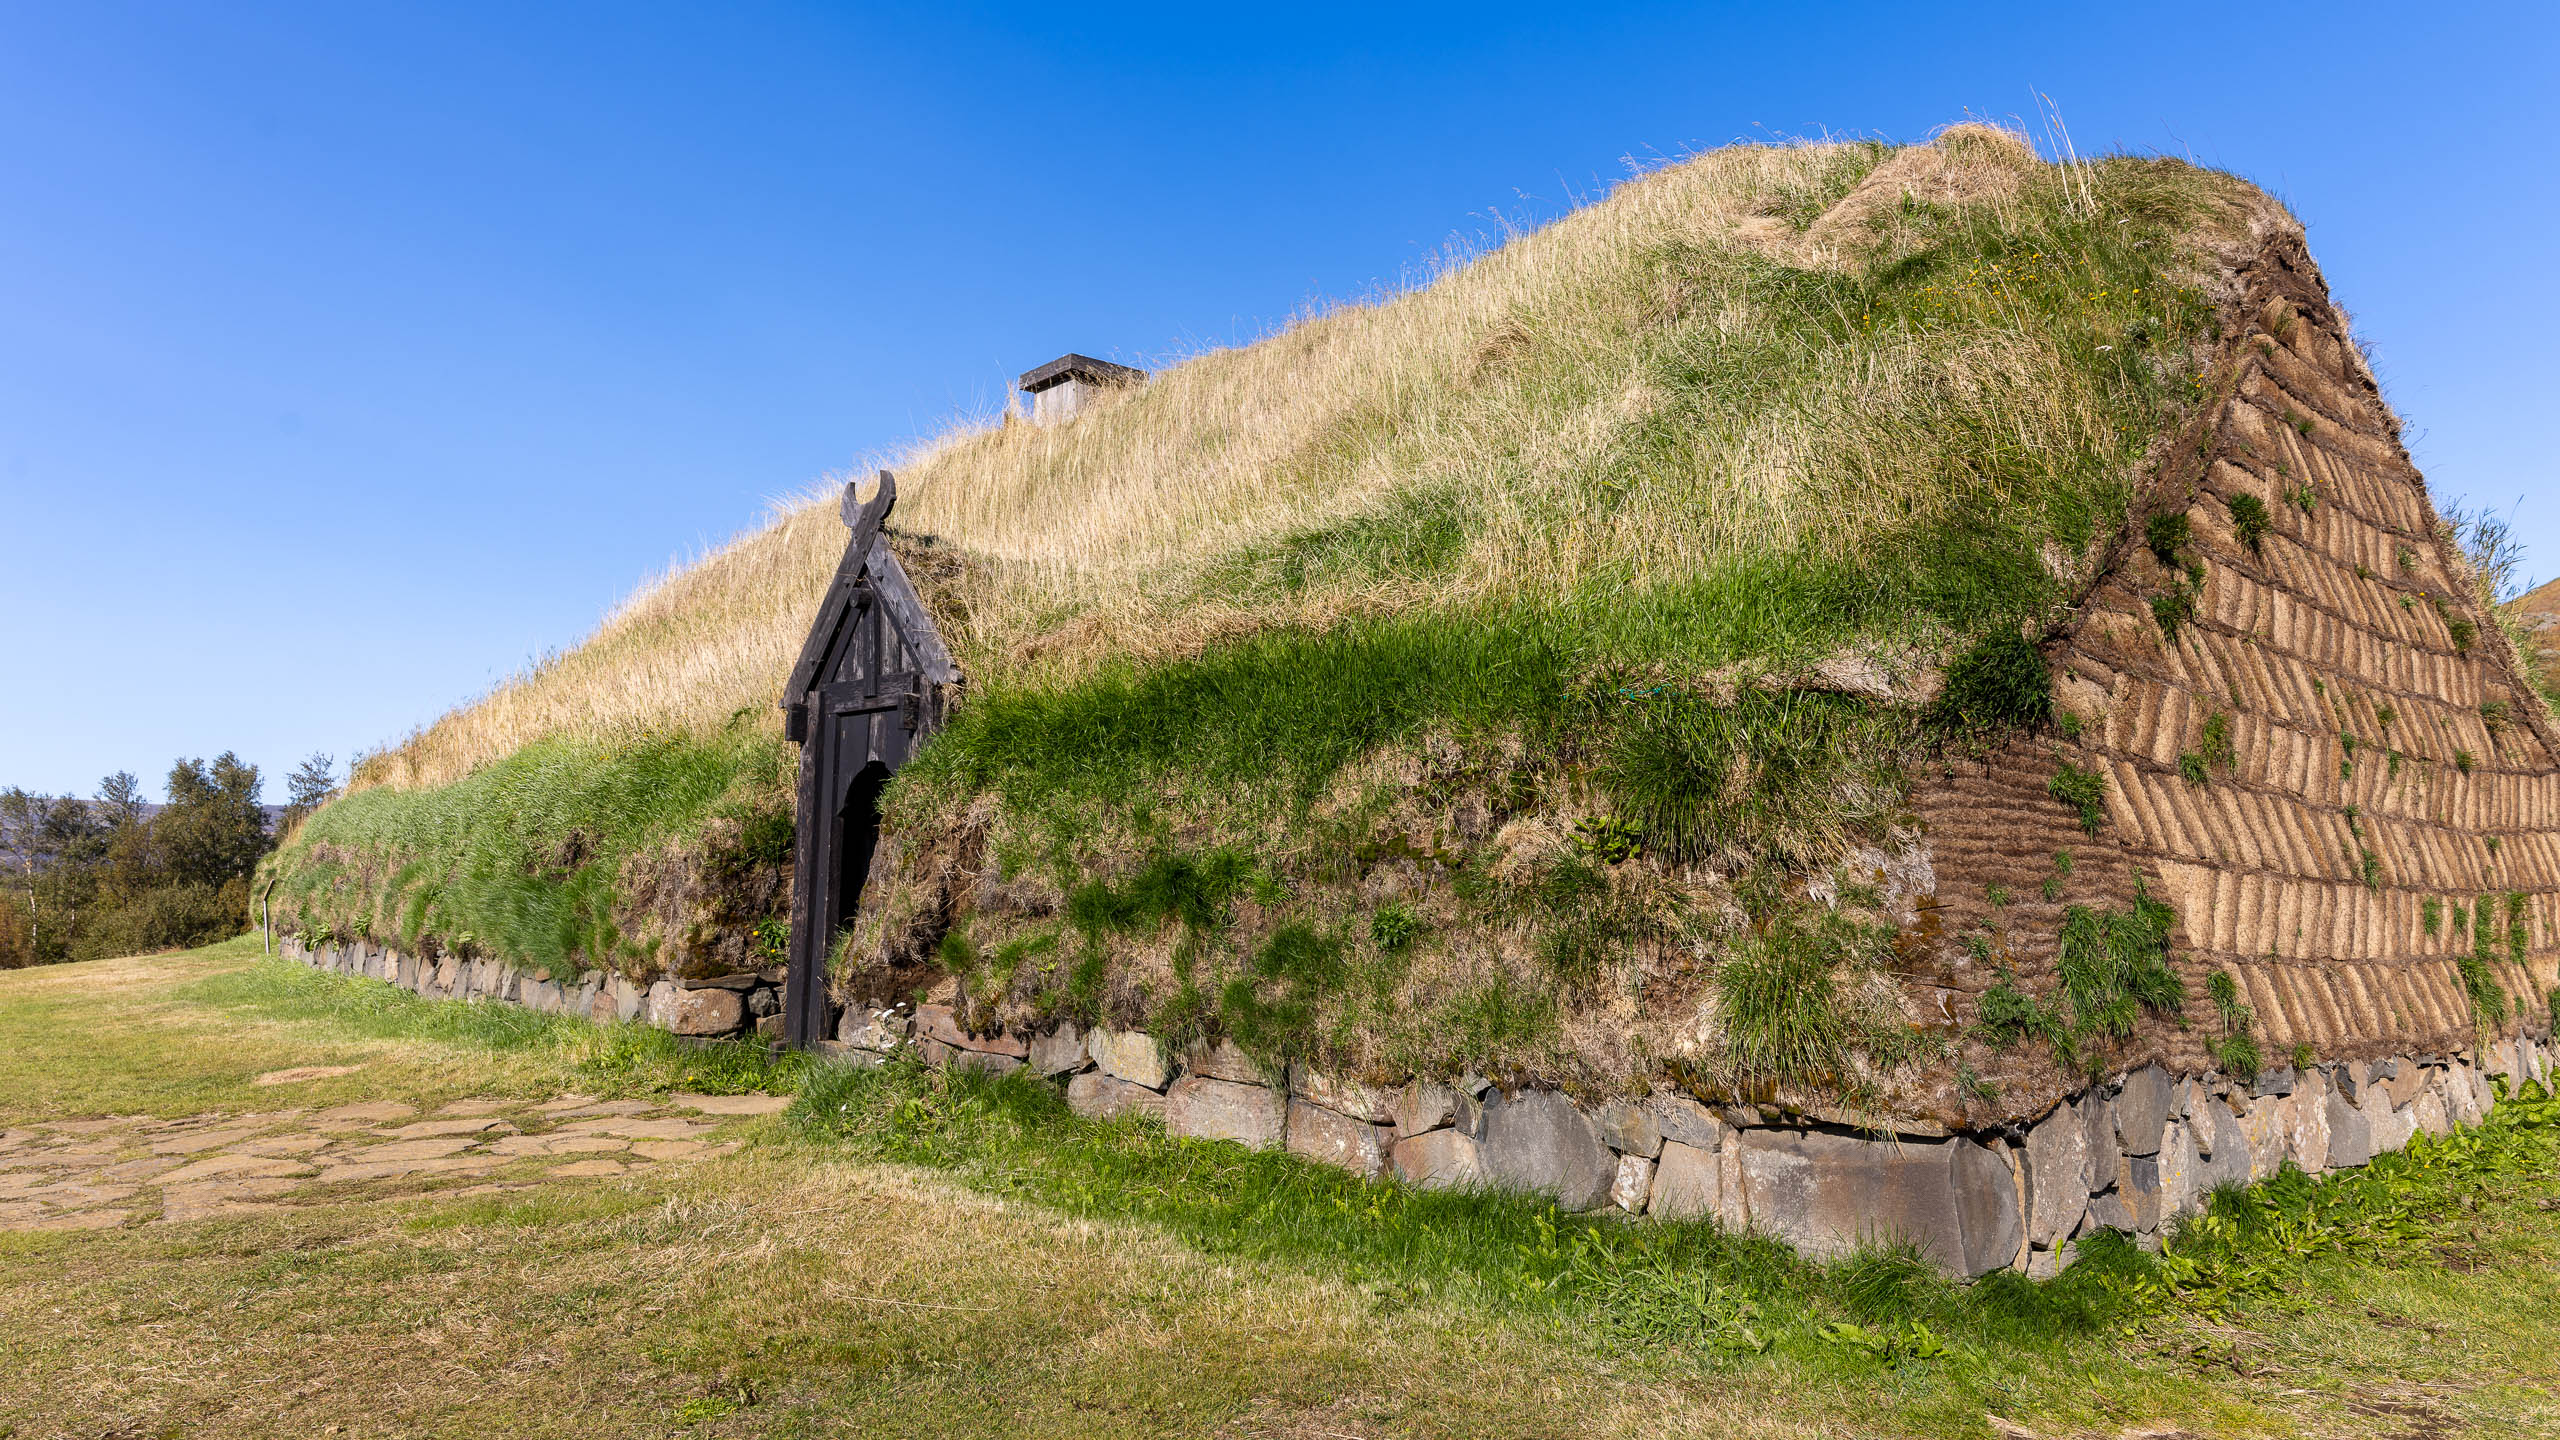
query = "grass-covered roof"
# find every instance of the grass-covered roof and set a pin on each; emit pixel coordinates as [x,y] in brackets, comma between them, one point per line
[1753,407]
[1317,688]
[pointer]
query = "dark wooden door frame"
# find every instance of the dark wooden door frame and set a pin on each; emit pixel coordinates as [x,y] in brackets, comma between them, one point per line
[871,683]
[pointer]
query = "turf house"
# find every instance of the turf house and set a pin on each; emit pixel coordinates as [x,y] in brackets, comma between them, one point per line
[1853,690]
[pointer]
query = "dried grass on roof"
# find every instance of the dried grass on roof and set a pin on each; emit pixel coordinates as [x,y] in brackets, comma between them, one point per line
[1512,396]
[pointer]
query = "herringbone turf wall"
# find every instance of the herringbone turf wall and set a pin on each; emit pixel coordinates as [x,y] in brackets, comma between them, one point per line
[2360,722]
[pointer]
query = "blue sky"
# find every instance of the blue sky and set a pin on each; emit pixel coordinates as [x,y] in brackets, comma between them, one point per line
[351,356]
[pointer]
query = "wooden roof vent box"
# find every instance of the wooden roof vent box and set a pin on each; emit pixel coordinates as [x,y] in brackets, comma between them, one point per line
[1062,388]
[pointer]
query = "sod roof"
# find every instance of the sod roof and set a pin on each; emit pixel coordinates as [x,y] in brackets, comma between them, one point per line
[1564,669]
[1755,407]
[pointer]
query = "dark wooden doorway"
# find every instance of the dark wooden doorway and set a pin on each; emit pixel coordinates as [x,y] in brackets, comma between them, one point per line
[870,686]
[857,835]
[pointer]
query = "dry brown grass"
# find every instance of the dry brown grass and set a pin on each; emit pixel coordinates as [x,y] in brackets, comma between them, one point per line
[791,1291]
[1510,386]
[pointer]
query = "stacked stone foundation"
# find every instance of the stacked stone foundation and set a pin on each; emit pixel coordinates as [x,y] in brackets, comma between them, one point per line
[2134,1153]
[748,1003]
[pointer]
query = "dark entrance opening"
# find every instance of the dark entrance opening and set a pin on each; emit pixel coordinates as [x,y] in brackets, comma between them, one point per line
[857,834]
[870,686]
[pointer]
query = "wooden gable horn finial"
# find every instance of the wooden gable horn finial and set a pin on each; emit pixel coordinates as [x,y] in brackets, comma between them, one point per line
[865,516]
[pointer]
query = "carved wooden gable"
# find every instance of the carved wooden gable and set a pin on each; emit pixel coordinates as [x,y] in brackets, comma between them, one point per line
[871,684]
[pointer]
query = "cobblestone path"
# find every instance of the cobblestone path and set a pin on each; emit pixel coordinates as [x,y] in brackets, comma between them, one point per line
[137,1170]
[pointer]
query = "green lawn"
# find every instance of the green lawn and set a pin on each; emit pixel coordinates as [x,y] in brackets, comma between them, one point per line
[907,1255]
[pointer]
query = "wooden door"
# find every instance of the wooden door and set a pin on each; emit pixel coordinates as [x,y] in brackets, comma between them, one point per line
[862,726]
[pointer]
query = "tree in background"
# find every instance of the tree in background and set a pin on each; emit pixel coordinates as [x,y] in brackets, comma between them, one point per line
[52,847]
[129,867]
[90,879]
[21,927]
[313,784]
[18,930]
[120,803]
[213,830]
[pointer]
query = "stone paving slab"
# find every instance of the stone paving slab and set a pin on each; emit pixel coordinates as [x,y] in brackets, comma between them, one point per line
[427,1149]
[201,1141]
[373,1112]
[70,1194]
[558,1145]
[297,1144]
[362,1172]
[150,1167]
[37,1217]
[242,1167]
[118,1170]
[446,1127]
[44,1159]
[477,1105]
[608,1107]
[637,1129]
